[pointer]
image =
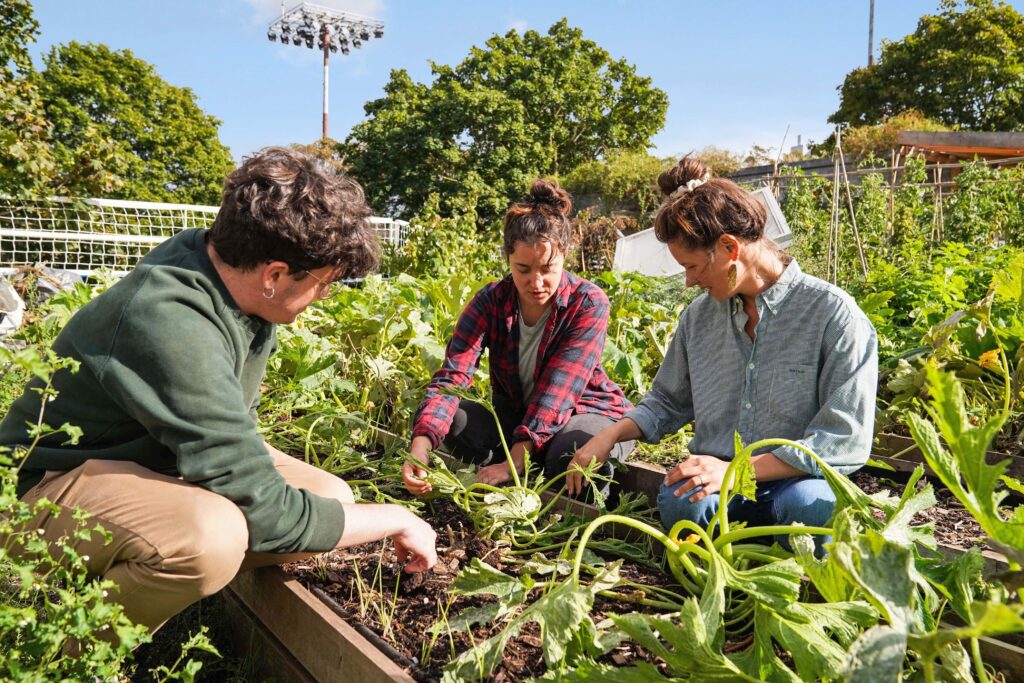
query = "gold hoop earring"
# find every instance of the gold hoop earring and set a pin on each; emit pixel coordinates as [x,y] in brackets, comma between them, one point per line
[732,276]
[273,291]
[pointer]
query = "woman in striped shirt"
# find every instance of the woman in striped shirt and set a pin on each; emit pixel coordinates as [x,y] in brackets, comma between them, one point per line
[767,351]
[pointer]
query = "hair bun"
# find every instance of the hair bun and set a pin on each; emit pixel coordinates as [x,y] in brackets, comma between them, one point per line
[686,170]
[550,193]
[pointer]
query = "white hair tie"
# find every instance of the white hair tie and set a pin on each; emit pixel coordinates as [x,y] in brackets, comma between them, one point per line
[690,186]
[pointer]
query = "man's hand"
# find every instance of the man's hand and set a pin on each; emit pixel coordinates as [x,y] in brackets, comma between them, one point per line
[416,546]
[701,470]
[414,539]
[414,477]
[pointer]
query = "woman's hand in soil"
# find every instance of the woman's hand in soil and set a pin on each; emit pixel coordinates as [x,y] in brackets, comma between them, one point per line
[499,473]
[416,545]
[705,471]
[415,478]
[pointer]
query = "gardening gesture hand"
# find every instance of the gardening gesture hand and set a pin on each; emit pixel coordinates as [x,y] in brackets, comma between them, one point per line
[705,471]
[596,449]
[415,478]
[416,546]
[500,472]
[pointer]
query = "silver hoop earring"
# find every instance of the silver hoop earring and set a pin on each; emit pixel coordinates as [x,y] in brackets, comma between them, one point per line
[273,291]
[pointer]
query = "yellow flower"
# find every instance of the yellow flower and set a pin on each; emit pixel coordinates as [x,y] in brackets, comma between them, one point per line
[990,359]
[692,538]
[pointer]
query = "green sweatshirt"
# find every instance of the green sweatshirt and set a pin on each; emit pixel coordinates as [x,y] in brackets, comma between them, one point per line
[170,378]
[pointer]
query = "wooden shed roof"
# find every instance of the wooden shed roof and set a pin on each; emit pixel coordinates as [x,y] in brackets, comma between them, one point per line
[951,146]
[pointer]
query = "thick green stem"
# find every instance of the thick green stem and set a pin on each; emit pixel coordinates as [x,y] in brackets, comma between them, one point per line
[637,600]
[780,530]
[626,521]
[979,665]
[928,669]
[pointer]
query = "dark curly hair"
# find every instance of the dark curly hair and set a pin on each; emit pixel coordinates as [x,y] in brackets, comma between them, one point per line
[541,216]
[283,205]
[699,217]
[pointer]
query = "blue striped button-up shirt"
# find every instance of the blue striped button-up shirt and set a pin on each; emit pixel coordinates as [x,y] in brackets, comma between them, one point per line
[809,376]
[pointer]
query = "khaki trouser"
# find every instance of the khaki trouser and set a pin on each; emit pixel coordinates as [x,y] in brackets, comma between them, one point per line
[173,542]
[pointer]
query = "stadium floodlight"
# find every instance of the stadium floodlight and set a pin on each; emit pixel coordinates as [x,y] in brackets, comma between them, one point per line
[332,29]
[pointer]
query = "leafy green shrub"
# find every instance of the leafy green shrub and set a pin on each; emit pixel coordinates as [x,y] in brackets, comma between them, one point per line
[623,180]
[438,245]
[54,621]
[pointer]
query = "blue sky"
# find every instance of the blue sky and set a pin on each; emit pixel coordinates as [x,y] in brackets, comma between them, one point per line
[737,72]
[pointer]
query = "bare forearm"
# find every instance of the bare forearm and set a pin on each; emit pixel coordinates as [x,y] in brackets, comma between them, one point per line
[623,430]
[767,467]
[420,448]
[368,522]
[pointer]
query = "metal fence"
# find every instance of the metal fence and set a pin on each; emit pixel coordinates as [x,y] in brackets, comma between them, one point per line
[86,235]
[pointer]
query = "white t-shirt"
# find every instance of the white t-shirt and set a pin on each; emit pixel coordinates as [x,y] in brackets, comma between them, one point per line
[529,343]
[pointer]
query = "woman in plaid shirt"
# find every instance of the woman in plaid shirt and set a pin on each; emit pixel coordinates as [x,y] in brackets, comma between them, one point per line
[545,329]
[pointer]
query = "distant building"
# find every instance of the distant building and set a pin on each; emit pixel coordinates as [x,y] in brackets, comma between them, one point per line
[943,152]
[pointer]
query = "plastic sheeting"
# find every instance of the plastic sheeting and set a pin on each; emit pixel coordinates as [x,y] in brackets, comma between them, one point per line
[642,252]
[12,309]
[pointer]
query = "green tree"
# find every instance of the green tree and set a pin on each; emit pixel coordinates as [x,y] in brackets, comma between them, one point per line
[963,66]
[28,162]
[521,107]
[619,181]
[880,139]
[170,150]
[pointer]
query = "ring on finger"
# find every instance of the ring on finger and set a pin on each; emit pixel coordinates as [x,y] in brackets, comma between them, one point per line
[700,480]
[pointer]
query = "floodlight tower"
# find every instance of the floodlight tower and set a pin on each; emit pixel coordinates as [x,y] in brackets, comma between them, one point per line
[331,29]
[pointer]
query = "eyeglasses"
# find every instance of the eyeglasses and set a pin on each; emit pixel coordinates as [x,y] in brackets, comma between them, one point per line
[327,289]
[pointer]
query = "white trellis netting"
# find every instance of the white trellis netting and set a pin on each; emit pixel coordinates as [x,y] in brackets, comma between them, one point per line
[86,235]
[643,253]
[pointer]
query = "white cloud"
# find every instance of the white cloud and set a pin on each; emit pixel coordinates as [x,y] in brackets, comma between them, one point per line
[519,25]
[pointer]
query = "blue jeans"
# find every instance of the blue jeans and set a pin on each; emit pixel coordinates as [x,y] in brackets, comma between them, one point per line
[807,500]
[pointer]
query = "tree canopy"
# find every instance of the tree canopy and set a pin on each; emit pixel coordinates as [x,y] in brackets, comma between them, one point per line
[521,107]
[168,148]
[963,67]
[28,162]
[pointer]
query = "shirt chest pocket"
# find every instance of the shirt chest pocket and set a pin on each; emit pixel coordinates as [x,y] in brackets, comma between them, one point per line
[793,393]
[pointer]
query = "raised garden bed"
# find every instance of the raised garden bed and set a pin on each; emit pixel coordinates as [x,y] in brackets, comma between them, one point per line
[297,612]
[902,454]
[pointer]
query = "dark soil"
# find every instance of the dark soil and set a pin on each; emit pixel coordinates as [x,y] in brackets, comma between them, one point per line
[404,622]
[954,526]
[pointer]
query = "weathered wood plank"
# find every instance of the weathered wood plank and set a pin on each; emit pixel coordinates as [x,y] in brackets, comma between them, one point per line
[266,658]
[327,647]
[892,448]
[1005,658]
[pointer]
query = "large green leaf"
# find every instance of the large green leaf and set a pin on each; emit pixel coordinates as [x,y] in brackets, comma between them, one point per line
[876,656]
[987,619]
[957,580]
[964,469]
[913,501]
[589,671]
[480,578]
[561,614]
[816,635]
[826,575]
[884,572]
[684,644]
[775,585]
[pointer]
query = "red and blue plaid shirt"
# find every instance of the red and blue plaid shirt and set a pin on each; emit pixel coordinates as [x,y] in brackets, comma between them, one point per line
[568,378]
